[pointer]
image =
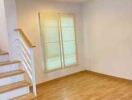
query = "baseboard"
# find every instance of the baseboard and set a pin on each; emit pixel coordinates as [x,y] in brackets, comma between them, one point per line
[41,84]
[107,75]
[89,71]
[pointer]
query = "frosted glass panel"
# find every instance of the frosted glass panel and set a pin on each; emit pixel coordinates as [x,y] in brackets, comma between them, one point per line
[67,21]
[51,29]
[53,56]
[69,47]
[51,34]
[69,42]
[68,33]
[70,60]
[69,52]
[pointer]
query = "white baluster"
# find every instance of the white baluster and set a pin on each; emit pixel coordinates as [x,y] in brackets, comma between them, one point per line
[33,73]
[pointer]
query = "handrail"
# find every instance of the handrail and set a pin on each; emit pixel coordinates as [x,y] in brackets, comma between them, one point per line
[26,38]
[27,56]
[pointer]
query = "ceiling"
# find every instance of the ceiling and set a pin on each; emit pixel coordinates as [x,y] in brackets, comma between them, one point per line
[74,1]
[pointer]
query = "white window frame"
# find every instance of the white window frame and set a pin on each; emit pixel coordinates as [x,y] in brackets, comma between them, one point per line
[60,42]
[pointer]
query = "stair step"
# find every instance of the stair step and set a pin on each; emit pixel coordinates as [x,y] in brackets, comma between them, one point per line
[8,63]
[13,86]
[28,96]
[11,79]
[12,73]
[4,58]
[3,53]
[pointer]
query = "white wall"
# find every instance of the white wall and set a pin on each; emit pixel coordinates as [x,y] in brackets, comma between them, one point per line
[28,20]
[108,37]
[11,19]
[3,28]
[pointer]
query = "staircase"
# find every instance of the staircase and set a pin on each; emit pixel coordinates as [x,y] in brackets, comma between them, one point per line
[17,77]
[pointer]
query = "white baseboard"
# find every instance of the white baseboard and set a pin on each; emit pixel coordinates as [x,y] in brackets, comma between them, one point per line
[61,73]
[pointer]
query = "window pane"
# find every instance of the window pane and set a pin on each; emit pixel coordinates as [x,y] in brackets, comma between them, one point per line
[67,21]
[70,60]
[68,34]
[53,56]
[69,52]
[49,27]
[51,34]
[69,42]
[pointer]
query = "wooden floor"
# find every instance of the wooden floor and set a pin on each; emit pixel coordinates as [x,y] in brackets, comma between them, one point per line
[86,86]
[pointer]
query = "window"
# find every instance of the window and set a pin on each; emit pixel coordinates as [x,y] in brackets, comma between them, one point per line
[59,40]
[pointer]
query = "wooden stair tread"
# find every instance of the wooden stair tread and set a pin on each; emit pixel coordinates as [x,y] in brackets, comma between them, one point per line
[3,53]
[13,86]
[11,73]
[28,96]
[8,62]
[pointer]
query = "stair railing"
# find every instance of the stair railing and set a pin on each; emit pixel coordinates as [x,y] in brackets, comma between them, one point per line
[27,56]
